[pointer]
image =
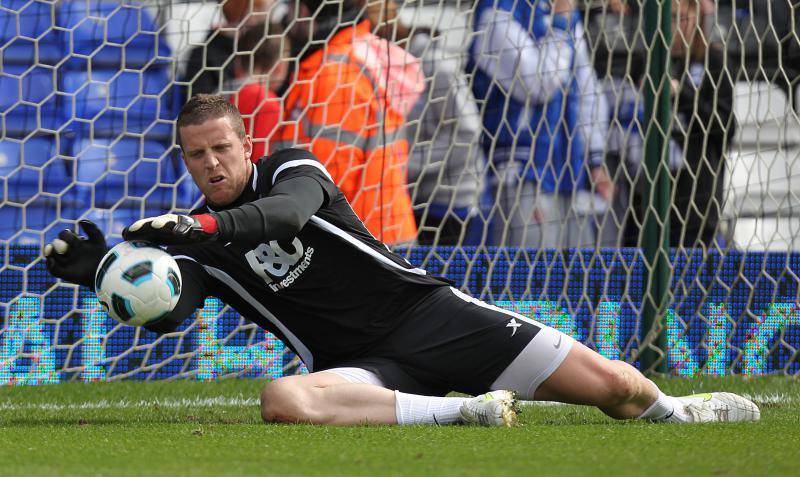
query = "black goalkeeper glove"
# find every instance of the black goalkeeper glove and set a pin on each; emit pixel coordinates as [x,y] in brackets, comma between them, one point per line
[75,258]
[173,229]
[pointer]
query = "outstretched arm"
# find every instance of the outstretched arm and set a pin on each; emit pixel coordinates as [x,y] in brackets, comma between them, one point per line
[280,215]
[75,258]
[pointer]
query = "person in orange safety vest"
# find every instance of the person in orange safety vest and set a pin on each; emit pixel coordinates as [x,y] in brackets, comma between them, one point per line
[347,104]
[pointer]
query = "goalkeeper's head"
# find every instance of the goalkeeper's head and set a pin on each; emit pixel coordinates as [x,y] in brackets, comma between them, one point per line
[216,149]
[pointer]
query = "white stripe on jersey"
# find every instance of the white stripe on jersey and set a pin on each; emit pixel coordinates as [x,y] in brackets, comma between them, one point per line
[220,275]
[329,227]
[300,162]
[254,183]
[483,304]
[295,342]
[318,165]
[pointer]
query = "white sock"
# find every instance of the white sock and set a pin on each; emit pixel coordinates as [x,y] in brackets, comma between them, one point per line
[666,408]
[415,409]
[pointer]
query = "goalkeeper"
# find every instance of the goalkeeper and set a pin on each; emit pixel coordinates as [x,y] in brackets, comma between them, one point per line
[384,341]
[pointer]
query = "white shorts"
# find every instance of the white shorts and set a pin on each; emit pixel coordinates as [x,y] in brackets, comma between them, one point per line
[357,375]
[543,355]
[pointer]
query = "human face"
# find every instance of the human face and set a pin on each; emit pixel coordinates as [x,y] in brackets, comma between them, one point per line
[684,26]
[217,159]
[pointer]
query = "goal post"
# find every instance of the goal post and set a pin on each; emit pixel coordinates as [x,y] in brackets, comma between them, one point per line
[658,37]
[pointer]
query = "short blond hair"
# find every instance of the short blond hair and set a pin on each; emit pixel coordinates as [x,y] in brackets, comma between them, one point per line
[203,107]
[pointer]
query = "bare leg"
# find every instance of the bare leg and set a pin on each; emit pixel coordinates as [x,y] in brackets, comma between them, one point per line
[586,377]
[326,398]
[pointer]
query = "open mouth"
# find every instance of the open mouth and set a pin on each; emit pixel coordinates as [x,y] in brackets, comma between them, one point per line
[216,179]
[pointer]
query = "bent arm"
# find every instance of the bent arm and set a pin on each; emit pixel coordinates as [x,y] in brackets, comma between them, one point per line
[280,215]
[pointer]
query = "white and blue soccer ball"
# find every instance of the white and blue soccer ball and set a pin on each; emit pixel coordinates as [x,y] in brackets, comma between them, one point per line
[138,283]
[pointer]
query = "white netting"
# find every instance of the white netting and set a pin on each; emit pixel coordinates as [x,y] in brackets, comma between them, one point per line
[499,142]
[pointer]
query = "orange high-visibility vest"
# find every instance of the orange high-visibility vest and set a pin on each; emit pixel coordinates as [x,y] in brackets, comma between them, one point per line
[339,107]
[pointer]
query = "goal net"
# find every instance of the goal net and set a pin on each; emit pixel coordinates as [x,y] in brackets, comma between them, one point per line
[623,171]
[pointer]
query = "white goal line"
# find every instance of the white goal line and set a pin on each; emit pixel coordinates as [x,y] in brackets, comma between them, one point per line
[219,401]
[240,401]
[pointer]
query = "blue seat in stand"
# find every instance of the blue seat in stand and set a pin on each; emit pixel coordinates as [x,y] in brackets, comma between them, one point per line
[26,32]
[117,170]
[32,166]
[110,100]
[10,159]
[112,33]
[10,220]
[112,221]
[29,221]
[28,99]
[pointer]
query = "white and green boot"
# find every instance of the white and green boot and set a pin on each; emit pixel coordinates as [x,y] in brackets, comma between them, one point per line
[719,407]
[494,409]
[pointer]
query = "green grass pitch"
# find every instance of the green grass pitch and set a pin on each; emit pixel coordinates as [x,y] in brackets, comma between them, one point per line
[214,429]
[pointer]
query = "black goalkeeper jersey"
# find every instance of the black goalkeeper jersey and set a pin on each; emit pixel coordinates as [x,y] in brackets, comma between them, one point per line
[330,292]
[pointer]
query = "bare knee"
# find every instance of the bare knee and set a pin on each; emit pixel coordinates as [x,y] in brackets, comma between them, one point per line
[621,384]
[287,400]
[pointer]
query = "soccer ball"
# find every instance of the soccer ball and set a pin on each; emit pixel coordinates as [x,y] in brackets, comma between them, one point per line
[137,283]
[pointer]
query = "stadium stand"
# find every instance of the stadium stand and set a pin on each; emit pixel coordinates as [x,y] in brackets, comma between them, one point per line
[33,37]
[86,100]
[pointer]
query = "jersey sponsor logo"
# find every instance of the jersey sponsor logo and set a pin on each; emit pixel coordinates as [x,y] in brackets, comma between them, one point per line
[513,324]
[277,266]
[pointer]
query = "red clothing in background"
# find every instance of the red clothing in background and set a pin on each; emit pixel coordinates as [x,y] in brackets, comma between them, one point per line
[261,111]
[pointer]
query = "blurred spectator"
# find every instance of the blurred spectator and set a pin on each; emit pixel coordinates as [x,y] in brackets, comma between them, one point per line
[348,103]
[701,133]
[624,155]
[211,64]
[621,6]
[544,120]
[704,126]
[382,16]
[620,225]
[443,133]
[446,157]
[261,66]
